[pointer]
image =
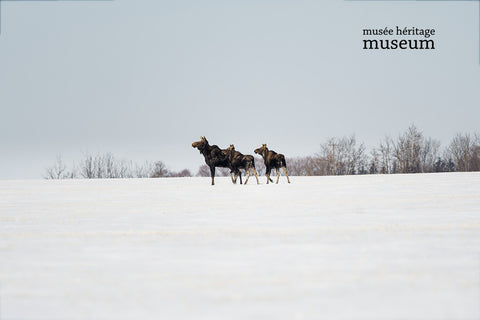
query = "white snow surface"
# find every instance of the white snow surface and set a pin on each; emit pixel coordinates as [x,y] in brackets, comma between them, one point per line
[343,247]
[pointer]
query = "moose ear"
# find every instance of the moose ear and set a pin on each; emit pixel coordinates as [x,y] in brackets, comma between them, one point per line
[264,145]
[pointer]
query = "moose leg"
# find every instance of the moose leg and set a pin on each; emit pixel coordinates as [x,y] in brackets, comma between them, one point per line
[236,176]
[231,176]
[285,169]
[247,170]
[256,176]
[278,174]
[267,173]
[240,175]
[212,173]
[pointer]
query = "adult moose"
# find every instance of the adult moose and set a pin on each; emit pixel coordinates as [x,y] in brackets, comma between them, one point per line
[214,156]
[272,160]
[240,161]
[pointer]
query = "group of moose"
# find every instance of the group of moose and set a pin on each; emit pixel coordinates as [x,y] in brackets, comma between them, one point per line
[234,160]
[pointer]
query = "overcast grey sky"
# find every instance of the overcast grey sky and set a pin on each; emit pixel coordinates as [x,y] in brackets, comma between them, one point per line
[144,79]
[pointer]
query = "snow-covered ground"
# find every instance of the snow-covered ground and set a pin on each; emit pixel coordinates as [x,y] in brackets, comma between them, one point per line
[347,247]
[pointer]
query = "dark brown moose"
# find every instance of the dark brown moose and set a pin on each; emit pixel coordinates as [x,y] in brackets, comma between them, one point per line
[214,157]
[233,169]
[272,160]
[240,161]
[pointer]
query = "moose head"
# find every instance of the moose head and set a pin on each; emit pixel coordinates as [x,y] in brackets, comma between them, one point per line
[262,149]
[200,145]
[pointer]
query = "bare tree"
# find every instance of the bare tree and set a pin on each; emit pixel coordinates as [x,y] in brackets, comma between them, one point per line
[104,166]
[464,150]
[203,171]
[386,150]
[307,166]
[159,170]
[59,171]
[407,151]
[343,156]
[476,153]
[86,168]
[429,154]
[327,152]
[144,170]
[107,166]
[182,173]
[260,166]
[374,166]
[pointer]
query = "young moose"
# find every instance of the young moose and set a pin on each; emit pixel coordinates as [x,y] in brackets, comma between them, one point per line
[214,156]
[272,160]
[233,169]
[240,161]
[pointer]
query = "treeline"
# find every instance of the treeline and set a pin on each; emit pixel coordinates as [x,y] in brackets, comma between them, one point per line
[410,152]
[107,166]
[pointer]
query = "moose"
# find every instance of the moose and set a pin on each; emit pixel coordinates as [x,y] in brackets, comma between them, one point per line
[215,157]
[240,161]
[272,160]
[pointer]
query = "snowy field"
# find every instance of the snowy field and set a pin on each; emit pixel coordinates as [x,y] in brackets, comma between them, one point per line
[347,247]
